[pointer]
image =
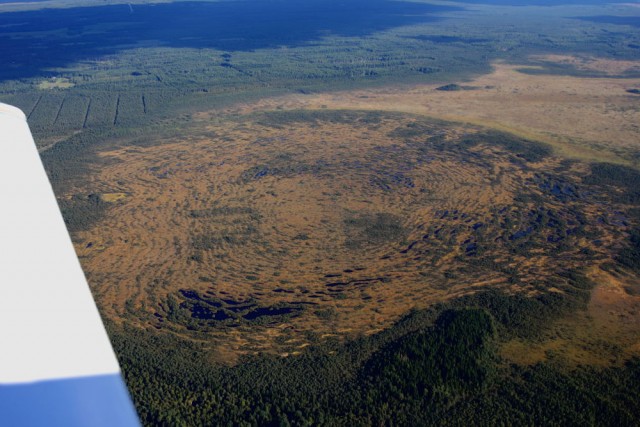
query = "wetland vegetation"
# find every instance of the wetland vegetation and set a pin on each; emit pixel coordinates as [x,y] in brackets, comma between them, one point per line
[344,247]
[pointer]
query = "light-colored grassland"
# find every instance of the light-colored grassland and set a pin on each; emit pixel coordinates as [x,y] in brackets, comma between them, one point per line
[583,118]
[55,83]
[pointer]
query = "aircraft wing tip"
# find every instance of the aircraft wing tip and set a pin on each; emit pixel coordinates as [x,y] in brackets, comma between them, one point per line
[12,111]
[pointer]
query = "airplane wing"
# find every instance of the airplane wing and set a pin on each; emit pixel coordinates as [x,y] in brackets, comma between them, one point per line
[57,367]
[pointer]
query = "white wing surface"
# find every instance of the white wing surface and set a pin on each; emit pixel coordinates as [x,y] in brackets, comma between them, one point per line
[57,367]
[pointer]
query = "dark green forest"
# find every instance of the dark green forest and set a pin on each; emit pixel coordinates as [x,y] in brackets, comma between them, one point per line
[110,67]
[434,367]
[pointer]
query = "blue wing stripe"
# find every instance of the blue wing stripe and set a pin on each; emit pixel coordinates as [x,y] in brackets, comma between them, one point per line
[97,401]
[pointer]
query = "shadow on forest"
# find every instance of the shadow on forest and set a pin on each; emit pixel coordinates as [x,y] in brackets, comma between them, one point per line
[632,21]
[538,2]
[32,42]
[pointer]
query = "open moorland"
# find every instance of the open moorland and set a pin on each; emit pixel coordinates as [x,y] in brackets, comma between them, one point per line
[338,239]
[603,112]
[268,229]
[296,224]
